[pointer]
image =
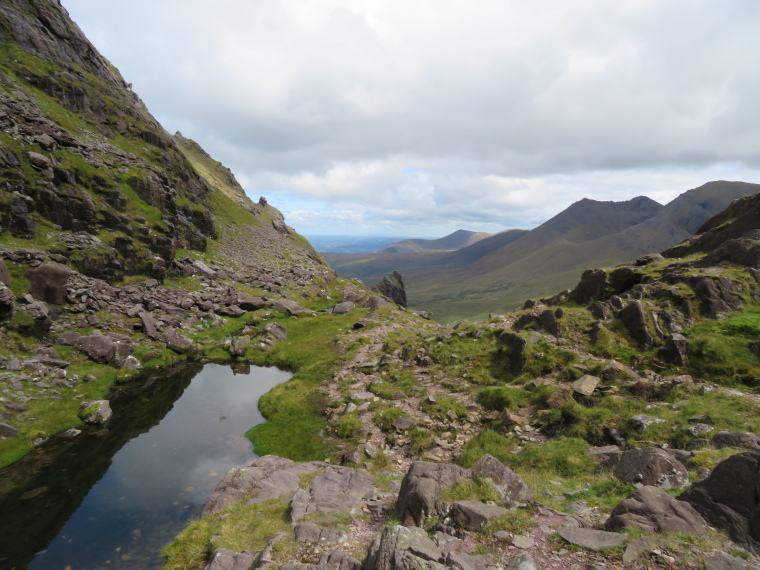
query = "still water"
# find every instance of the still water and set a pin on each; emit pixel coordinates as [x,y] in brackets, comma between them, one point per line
[111,498]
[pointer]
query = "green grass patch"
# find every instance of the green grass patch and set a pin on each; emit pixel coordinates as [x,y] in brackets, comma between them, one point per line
[563,456]
[487,441]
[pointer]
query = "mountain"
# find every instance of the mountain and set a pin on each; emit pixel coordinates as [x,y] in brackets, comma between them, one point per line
[500,272]
[451,242]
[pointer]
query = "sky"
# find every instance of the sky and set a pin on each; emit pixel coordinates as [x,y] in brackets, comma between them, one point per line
[417,118]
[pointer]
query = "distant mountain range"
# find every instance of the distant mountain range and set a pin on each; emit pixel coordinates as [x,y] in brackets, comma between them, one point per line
[501,271]
[451,242]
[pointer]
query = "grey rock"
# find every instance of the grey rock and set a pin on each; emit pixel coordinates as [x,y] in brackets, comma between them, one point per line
[224,559]
[523,561]
[392,286]
[505,481]
[464,561]
[421,487]
[343,308]
[276,330]
[99,348]
[150,325]
[641,546]
[95,411]
[177,342]
[634,319]
[651,466]
[5,276]
[585,385]
[252,303]
[592,539]
[310,532]
[641,422]
[728,497]
[8,431]
[403,548]
[722,561]
[654,510]
[335,490]
[474,515]
[48,282]
[675,351]
[739,439]
[265,478]
[289,307]
[7,304]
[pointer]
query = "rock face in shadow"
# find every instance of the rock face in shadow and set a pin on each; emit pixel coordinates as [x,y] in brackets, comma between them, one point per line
[392,286]
[728,498]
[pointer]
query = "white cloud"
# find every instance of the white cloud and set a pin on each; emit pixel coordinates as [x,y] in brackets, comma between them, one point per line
[451,113]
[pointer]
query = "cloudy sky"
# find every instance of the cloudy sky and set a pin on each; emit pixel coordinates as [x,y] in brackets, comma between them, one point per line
[416,118]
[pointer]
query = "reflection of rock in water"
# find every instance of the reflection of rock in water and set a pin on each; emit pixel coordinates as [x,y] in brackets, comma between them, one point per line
[42,490]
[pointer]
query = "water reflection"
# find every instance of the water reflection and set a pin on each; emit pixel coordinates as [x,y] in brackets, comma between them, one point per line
[171,438]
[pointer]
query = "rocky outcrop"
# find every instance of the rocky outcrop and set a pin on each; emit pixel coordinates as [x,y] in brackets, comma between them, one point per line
[392,286]
[728,497]
[265,478]
[336,490]
[653,510]
[421,488]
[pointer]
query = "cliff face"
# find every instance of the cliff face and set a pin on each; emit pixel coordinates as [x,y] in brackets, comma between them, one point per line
[79,152]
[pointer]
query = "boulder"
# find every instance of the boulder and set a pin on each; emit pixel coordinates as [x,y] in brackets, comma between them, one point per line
[403,548]
[738,439]
[728,498]
[252,303]
[99,348]
[592,539]
[651,466]
[177,342]
[475,515]
[8,431]
[506,482]
[559,397]
[600,310]
[653,510]
[675,351]
[48,282]
[289,307]
[514,349]
[723,561]
[336,490]
[634,319]
[585,385]
[343,308]
[239,345]
[95,411]
[421,487]
[7,304]
[150,325]
[549,322]
[263,479]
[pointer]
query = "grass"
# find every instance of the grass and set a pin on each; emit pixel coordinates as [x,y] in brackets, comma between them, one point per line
[487,441]
[294,425]
[240,527]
